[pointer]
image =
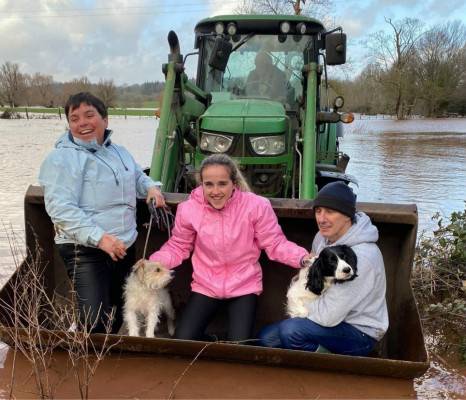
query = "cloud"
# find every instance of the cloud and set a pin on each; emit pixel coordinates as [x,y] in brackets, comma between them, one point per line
[222,8]
[68,40]
[125,40]
[455,9]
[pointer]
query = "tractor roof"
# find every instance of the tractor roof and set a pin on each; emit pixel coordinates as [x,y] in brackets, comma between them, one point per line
[267,24]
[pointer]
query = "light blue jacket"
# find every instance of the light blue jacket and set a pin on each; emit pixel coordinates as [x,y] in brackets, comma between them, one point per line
[91,189]
[360,302]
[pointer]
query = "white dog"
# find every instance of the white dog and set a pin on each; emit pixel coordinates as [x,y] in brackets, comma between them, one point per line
[145,294]
[335,264]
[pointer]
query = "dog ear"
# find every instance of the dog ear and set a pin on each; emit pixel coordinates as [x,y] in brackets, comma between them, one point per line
[138,268]
[351,258]
[315,279]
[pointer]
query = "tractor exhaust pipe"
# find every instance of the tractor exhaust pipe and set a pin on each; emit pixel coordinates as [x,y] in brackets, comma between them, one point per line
[173,42]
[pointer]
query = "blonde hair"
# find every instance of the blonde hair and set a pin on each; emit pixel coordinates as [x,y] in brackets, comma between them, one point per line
[235,174]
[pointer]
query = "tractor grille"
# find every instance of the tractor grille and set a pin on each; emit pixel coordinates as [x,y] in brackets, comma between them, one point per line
[265,180]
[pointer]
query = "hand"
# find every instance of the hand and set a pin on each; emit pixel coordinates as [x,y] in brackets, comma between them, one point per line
[113,246]
[308,259]
[155,193]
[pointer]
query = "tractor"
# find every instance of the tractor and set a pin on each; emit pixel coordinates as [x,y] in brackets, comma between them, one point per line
[261,96]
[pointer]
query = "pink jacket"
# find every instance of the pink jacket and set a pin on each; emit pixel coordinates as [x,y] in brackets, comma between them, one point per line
[227,243]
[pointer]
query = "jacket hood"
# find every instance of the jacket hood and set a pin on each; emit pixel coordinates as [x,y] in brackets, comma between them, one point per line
[68,141]
[363,231]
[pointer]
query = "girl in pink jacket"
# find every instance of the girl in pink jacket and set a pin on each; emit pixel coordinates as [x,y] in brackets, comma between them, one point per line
[225,226]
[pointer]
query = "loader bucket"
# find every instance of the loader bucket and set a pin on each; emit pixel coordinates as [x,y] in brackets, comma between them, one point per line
[401,353]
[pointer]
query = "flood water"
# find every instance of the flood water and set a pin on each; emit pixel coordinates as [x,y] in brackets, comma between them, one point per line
[415,161]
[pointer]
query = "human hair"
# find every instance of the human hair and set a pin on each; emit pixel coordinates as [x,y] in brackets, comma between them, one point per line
[75,100]
[235,174]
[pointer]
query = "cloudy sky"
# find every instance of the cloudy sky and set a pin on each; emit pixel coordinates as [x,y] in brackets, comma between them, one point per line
[125,40]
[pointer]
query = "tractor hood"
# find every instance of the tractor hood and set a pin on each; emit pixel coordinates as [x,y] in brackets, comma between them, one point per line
[251,116]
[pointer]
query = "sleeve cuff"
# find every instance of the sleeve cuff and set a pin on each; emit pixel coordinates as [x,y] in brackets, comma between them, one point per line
[95,236]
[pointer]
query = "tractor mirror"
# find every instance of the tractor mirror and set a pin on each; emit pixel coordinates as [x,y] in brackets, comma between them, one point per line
[335,48]
[220,54]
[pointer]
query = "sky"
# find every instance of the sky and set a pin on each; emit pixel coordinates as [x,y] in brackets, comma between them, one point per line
[125,40]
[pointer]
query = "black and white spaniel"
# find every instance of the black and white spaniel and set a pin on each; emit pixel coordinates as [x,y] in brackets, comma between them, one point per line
[335,264]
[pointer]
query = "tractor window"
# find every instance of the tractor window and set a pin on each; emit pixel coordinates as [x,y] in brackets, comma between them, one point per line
[264,66]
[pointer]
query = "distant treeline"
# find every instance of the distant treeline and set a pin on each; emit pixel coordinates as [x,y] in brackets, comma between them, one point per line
[411,71]
[19,89]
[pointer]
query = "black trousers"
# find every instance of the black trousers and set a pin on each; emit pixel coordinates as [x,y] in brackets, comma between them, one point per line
[98,282]
[200,311]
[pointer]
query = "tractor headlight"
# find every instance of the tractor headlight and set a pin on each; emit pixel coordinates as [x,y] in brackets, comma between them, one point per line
[268,145]
[285,27]
[215,143]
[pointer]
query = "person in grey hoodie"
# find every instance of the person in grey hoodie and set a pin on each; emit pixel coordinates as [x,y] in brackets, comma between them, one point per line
[90,188]
[348,318]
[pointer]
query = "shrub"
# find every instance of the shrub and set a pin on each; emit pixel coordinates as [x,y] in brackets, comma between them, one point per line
[439,282]
[9,114]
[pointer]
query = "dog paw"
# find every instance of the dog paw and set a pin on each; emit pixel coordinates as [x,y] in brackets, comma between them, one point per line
[171,330]
[302,314]
[299,313]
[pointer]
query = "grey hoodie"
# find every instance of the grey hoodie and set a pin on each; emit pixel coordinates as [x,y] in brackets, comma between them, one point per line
[360,302]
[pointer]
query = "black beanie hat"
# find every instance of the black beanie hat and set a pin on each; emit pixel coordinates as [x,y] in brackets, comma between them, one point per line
[337,196]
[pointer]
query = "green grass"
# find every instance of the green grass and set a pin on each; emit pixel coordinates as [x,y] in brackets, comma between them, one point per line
[111,111]
[131,112]
[151,104]
[43,110]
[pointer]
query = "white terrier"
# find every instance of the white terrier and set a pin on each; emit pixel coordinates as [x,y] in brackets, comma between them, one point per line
[145,294]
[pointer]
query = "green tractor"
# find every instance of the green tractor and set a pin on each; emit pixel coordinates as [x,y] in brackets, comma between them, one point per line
[261,96]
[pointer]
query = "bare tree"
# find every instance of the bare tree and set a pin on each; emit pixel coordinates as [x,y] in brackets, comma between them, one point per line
[41,89]
[75,86]
[458,97]
[315,8]
[12,83]
[440,66]
[106,91]
[393,53]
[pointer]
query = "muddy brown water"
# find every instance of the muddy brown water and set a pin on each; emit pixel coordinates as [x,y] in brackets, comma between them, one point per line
[420,161]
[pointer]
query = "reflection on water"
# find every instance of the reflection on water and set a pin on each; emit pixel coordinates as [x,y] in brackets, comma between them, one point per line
[395,162]
[419,162]
[438,381]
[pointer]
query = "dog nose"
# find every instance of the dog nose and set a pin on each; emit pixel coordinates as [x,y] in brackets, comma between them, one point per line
[172,273]
[347,270]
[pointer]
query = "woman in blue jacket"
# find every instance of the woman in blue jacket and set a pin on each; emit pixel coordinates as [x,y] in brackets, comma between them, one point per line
[90,189]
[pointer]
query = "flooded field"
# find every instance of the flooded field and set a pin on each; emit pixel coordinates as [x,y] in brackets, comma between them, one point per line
[414,161]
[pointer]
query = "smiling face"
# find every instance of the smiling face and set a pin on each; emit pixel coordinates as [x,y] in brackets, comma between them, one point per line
[86,123]
[332,224]
[217,185]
